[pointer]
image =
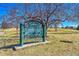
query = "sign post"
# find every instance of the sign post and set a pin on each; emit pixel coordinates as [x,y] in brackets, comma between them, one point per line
[21,35]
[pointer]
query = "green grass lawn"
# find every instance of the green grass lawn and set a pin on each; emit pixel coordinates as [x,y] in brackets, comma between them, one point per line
[55,47]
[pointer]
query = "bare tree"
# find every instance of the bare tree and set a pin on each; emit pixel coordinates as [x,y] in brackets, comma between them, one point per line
[55,23]
[4,23]
[45,12]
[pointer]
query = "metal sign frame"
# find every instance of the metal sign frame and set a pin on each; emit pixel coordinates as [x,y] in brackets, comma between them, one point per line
[22,25]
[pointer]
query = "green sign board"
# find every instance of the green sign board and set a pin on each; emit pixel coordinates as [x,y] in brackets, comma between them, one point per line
[32,29]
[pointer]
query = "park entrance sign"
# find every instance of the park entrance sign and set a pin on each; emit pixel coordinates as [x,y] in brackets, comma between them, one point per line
[32,29]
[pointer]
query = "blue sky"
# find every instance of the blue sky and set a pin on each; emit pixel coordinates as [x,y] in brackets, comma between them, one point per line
[66,23]
[4,8]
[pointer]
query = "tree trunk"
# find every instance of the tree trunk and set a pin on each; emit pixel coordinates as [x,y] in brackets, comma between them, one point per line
[55,27]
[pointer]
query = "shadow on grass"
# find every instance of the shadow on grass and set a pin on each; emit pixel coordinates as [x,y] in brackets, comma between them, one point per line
[12,46]
[65,41]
